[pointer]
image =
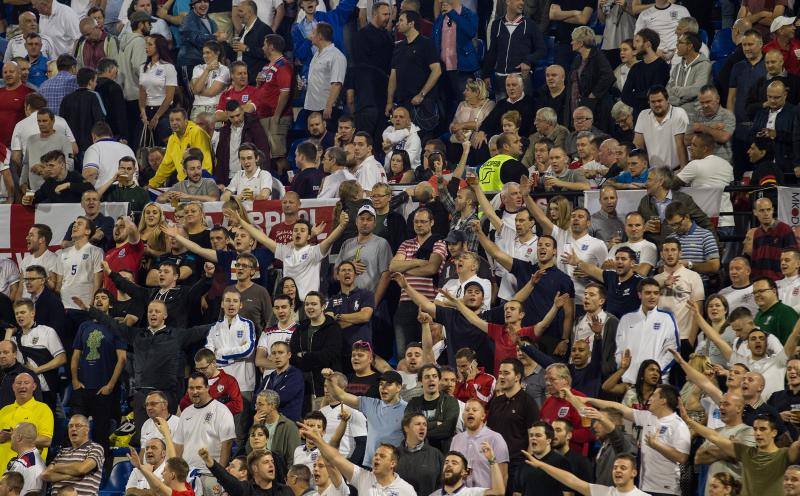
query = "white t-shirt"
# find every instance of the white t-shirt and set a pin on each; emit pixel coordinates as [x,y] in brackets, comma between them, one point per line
[330,184]
[663,22]
[301,264]
[743,297]
[370,172]
[356,427]
[266,10]
[788,292]
[598,490]
[659,474]
[49,261]
[104,155]
[646,252]
[508,241]
[205,427]
[137,480]
[9,274]
[773,368]
[261,180]
[150,431]
[155,81]
[659,137]
[31,466]
[365,482]
[78,267]
[688,286]
[27,127]
[40,337]
[62,27]
[588,249]
[711,172]
[223,75]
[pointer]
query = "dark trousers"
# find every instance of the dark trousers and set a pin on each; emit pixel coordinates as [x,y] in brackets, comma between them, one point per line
[455,82]
[564,55]
[406,327]
[134,132]
[162,129]
[102,409]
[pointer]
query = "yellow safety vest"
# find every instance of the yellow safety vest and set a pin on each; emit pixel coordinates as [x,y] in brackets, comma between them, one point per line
[489,173]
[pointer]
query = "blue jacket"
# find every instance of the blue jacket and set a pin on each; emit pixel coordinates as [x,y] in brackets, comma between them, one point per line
[290,386]
[337,18]
[193,35]
[467,24]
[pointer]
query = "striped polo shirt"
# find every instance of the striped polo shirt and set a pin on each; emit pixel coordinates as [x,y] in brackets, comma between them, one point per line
[89,484]
[697,245]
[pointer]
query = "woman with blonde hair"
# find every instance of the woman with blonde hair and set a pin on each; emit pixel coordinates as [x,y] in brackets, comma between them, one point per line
[471,112]
[235,204]
[691,394]
[559,211]
[155,243]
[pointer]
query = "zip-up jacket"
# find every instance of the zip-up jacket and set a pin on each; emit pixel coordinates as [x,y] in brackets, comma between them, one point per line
[290,386]
[466,29]
[647,336]
[442,427]
[131,58]
[234,346]
[176,299]
[157,356]
[311,354]
[507,51]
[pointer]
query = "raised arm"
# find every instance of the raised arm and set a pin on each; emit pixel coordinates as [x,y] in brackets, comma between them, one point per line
[326,244]
[791,342]
[723,442]
[155,482]
[337,392]
[590,269]
[423,303]
[613,384]
[624,410]
[541,217]
[255,232]
[327,451]
[486,206]
[709,330]
[559,302]
[698,378]
[491,248]
[567,478]
[471,316]
[425,320]
[207,253]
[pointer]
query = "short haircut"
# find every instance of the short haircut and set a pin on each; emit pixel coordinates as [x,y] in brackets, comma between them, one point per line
[271,397]
[769,281]
[35,101]
[338,155]
[671,241]
[206,355]
[548,429]
[601,290]
[325,31]
[85,76]
[178,466]
[307,150]
[519,369]
[650,36]
[301,471]
[102,129]
[656,89]
[276,41]
[628,250]
[14,482]
[363,134]
[48,112]
[65,62]
[670,394]
[322,299]
[258,454]
[24,302]
[232,105]
[647,281]
[44,231]
[317,415]
[676,208]
[106,64]
[412,17]
[199,375]
[426,367]
[38,270]
[467,353]
[755,33]
[179,110]
[693,40]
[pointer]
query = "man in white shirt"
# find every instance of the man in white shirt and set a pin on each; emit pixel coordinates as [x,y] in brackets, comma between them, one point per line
[467,271]
[382,477]
[251,182]
[578,241]
[647,333]
[16,45]
[81,270]
[646,252]
[156,405]
[334,163]
[301,260]
[678,286]
[206,423]
[367,170]
[655,125]
[707,170]
[665,439]
[325,73]
[101,160]
[155,452]
[740,292]
[789,286]
[60,22]
[663,18]
[29,126]
[624,473]
[28,461]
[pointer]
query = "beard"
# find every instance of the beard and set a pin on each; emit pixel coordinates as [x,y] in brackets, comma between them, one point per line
[452,479]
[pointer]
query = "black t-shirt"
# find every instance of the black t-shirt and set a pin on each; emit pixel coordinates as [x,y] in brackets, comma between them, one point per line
[622,297]
[203,238]
[462,334]
[580,465]
[412,61]
[541,300]
[532,481]
[564,29]
[306,183]
[511,418]
[364,386]
[512,170]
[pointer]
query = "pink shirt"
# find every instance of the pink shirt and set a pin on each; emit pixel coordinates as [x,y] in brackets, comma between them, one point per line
[449,55]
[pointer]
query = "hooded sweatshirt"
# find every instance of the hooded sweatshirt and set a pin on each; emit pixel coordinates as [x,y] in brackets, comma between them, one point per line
[131,57]
[685,81]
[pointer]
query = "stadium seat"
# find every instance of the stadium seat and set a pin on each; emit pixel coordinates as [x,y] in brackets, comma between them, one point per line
[115,484]
[722,46]
[704,36]
[538,77]
[549,42]
[716,67]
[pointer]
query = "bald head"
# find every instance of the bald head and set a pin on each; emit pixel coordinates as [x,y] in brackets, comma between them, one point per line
[11,74]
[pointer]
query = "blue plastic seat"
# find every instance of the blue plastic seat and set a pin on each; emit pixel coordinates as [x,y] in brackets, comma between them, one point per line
[117,480]
[723,45]
[704,36]
[716,67]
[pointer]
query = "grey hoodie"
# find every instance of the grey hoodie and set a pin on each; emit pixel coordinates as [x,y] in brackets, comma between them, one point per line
[131,58]
[685,82]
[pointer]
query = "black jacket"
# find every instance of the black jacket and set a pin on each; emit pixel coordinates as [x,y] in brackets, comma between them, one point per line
[50,312]
[641,77]
[7,377]
[785,134]
[596,79]
[253,133]
[157,357]
[506,52]
[322,350]
[82,109]
[47,193]
[253,56]
[235,487]
[178,299]
[114,101]
[442,427]
[492,124]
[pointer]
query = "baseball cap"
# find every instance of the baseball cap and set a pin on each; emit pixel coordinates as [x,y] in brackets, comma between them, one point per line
[455,236]
[780,22]
[368,209]
[473,283]
[140,16]
[392,376]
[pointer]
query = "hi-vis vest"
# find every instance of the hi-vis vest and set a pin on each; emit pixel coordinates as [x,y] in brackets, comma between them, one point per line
[489,173]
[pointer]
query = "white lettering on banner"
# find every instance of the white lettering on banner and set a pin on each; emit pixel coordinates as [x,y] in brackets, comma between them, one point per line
[707,199]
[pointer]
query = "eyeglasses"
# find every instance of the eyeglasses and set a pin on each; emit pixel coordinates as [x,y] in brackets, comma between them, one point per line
[761,291]
[581,119]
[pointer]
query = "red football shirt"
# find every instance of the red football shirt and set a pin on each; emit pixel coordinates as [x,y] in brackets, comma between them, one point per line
[187,492]
[244,96]
[278,76]
[125,257]
[504,347]
[12,110]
